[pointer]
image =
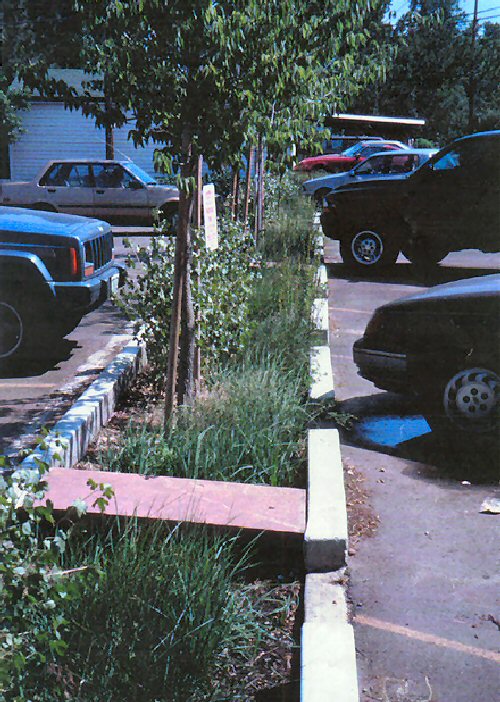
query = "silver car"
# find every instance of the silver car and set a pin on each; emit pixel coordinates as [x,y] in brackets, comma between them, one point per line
[395,164]
[116,191]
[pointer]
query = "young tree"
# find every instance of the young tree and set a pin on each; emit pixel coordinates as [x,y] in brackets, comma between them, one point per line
[206,77]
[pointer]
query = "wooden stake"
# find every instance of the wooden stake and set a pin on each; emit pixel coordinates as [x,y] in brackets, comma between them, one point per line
[248,185]
[197,225]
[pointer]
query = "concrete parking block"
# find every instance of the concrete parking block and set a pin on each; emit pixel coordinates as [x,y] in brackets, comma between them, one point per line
[325,542]
[69,439]
[322,276]
[319,314]
[324,598]
[321,374]
[328,663]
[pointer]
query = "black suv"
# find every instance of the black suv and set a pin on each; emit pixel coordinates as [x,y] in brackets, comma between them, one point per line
[448,204]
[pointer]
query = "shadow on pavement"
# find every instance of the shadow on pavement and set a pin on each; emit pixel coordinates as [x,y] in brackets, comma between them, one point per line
[391,424]
[48,358]
[407,274]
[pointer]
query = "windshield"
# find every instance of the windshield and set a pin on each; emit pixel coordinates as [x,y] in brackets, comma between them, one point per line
[353,150]
[142,175]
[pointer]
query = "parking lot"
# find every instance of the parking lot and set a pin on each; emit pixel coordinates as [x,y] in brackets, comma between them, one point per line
[424,587]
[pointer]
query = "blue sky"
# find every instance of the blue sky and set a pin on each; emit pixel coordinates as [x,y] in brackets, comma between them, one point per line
[487,8]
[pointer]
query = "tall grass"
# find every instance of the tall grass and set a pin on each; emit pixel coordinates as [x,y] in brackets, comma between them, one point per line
[248,427]
[157,616]
[288,233]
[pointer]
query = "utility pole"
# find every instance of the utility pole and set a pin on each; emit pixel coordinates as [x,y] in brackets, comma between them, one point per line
[472,77]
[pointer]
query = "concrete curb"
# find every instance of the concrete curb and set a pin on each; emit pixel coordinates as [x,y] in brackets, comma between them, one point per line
[328,655]
[325,538]
[319,314]
[321,374]
[68,441]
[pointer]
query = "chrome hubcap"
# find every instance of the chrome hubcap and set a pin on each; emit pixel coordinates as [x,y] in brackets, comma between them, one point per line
[471,399]
[367,248]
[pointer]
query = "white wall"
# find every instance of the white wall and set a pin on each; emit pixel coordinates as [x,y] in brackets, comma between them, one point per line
[51,132]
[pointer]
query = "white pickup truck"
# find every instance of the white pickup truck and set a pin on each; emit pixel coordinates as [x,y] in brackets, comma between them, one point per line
[116,191]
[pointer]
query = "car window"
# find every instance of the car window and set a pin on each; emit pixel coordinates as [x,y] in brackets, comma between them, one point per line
[111,175]
[375,164]
[69,175]
[448,162]
[78,176]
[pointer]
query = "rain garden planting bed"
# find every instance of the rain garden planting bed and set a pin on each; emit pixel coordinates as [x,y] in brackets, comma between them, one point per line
[112,609]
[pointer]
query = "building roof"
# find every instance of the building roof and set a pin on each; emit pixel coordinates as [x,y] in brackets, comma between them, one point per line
[379,119]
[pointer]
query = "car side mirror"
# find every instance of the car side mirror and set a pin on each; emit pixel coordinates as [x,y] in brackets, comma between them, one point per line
[352,174]
[136,185]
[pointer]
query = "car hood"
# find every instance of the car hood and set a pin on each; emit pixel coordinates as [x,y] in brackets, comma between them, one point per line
[325,181]
[487,285]
[19,219]
[170,190]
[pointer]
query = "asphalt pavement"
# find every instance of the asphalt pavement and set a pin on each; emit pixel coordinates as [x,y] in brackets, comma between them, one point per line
[425,587]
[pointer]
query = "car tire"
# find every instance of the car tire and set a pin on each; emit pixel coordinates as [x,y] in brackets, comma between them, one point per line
[319,194]
[65,326]
[167,218]
[468,404]
[421,253]
[16,328]
[44,207]
[368,248]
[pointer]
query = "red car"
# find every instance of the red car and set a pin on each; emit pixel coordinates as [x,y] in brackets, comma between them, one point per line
[334,163]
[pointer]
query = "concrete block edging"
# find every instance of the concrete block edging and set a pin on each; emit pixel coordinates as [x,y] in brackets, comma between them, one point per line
[69,439]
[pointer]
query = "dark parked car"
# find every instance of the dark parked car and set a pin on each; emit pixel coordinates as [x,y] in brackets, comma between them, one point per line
[395,164]
[54,269]
[448,204]
[442,345]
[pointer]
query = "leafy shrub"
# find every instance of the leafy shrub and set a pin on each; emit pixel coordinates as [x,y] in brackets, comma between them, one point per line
[220,295]
[32,594]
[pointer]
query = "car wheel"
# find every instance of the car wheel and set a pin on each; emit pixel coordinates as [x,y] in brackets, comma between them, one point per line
[319,194]
[44,207]
[168,218]
[368,248]
[471,403]
[14,329]
[422,253]
[64,326]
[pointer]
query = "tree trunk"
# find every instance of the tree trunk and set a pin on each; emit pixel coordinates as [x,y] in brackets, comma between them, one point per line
[181,274]
[186,384]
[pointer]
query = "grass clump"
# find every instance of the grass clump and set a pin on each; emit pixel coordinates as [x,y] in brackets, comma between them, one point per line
[248,427]
[288,234]
[158,614]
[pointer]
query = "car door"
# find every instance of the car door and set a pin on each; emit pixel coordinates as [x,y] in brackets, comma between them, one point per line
[119,196]
[448,197]
[68,188]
